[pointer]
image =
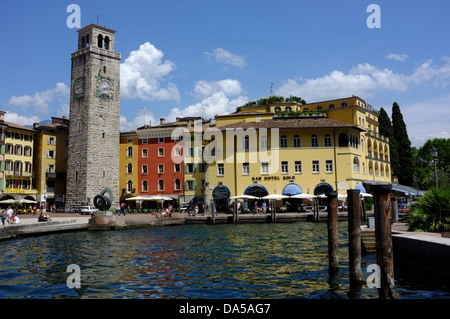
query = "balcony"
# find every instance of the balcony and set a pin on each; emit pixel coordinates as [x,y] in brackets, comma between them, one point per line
[50,175]
[130,191]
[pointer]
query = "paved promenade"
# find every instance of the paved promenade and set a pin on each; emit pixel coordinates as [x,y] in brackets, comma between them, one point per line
[29,225]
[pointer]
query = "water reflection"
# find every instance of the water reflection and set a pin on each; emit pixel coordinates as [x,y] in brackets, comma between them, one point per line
[195,261]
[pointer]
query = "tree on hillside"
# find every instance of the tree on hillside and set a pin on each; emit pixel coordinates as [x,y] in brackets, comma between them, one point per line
[386,130]
[403,147]
[424,167]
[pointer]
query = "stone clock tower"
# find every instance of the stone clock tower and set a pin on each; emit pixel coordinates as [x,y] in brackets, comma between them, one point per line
[94,132]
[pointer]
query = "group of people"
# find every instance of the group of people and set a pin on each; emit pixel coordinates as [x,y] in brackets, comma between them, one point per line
[194,210]
[9,216]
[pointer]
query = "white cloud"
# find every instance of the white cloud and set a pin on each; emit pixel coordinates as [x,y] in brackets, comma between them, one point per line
[21,119]
[204,89]
[143,117]
[40,100]
[143,71]
[224,56]
[362,80]
[218,97]
[397,57]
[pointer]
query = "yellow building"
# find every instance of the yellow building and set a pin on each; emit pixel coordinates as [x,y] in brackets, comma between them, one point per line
[291,148]
[17,163]
[129,168]
[50,158]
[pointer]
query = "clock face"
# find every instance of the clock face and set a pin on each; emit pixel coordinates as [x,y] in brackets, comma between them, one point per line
[78,88]
[105,88]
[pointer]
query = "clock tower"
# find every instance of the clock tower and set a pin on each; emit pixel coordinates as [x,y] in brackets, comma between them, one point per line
[94,131]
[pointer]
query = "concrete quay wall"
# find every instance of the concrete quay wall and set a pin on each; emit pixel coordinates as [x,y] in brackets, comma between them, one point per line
[427,250]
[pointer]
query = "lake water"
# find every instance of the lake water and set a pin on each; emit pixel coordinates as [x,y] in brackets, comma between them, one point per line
[192,261]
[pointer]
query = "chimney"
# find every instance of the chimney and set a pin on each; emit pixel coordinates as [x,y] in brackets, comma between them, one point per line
[162,120]
[35,125]
[2,115]
[177,119]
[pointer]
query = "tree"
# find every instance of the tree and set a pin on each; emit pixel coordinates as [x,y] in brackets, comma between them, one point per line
[385,129]
[403,147]
[424,166]
[431,213]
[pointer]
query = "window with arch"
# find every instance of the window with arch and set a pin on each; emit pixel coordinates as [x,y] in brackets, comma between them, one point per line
[246,142]
[100,41]
[130,151]
[283,141]
[161,185]
[263,142]
[327,140]
[356,165]
[129,186]
[314,141]
[288,109]
[129,168]
[331,106]
[344,104]
[106,44]
[277,109]
[177,184]
[144,186]
[319,108]
[296,140]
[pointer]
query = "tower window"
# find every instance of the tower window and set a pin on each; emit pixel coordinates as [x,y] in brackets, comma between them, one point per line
[100,41]
[104,69]
[106,44]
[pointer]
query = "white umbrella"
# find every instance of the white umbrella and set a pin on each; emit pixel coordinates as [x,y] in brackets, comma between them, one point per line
[365,195]
[27,201]
[304,196]
[8,201]
[136,198]
[275,196]
[244,197]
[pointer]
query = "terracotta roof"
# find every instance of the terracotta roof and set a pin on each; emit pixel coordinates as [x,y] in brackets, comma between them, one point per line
[17,126]
[297,123]
[244,114]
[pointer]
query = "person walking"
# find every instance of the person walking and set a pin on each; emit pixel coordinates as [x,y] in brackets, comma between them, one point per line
[9,215]
[3,217]
[122,209]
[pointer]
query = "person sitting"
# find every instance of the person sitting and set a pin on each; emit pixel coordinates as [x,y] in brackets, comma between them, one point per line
[42,218]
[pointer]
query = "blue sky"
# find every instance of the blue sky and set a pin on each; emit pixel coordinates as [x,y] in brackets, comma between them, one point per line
[194,57]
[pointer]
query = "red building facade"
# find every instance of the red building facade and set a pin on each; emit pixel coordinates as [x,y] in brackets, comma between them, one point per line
[160,161]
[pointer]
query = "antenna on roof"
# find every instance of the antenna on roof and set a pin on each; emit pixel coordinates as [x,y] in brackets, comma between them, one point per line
[271,89]
[97,18]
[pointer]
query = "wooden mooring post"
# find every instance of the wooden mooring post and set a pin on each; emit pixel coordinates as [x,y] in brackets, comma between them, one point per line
[354,237]
[385,256]
[332,223]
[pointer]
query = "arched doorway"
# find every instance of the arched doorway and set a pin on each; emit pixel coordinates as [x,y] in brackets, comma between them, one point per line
[292,204]
[322,189]
[221,195]
[254,190]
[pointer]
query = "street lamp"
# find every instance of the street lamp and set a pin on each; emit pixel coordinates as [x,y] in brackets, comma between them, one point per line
[434,155]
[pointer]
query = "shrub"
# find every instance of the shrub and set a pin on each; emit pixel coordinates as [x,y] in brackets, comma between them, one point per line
[431,213]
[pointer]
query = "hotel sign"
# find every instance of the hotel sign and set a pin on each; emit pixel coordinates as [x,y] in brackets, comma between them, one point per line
[273,178]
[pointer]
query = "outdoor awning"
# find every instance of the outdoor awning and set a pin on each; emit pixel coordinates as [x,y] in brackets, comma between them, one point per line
[150,198]
[292,189]
[275,196]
